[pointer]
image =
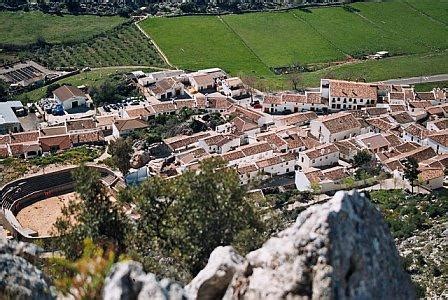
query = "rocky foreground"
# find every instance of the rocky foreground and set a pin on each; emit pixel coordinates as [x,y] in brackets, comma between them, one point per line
[338,250]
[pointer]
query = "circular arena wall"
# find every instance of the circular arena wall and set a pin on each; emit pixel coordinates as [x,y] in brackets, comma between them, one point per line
[23,192]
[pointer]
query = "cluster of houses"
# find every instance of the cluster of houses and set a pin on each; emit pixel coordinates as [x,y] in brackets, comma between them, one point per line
[311,136]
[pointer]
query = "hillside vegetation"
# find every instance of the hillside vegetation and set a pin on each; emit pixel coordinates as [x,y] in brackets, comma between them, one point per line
[316,38]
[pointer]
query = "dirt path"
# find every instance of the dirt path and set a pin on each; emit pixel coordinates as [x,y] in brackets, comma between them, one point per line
[165,58]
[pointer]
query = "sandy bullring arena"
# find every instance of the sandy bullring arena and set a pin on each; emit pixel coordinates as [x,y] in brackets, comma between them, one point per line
[42,215]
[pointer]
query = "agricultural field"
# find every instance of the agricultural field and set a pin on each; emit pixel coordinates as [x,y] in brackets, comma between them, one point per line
[23,28]
[122,46]
[317,38]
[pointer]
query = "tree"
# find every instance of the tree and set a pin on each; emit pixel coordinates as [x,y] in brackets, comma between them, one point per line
[362,158]
[411,171]
[185,218]
[121,151]
[94,216]
[51,88]
[294,79]
[4,94]
[316,188]
[349,182]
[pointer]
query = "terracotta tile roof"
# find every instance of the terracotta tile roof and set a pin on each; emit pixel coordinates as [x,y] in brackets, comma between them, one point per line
[393,140]
[61,141]
[441,124]
[182,141]
[106,120]
[53,130]
[204,79]
[80,124]
[406,147]
[440,138]
[347,89]
[417,130]
[298,118]
[347,147]
[321,151]
[420,104]
[273,99]
[243,124]
[402,117]
[276,160]
[315,176]
[429,173]
[273,139]
[129,124]
[233,155]
[409,94]
[201,100]
[23,137]
[376,111]
[376,141]
[245,169]
[420,154]
[164,107]
[219,140]
[339,122]
[185,103]
[314,97]
[381,124]
[5,139]
[397,108]
[4,152]
[396,96]
[335,174]
[440,161]
[436,110]
[161,86]
[217,102]
[255,148]
[139,112]
[67,92]
[192,156]
[87,137]
[294,98]
[245,113]
[425,96]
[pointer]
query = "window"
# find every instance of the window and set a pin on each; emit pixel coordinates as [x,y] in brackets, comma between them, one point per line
[333,106]
[302,159]
[345,101]
[339,99]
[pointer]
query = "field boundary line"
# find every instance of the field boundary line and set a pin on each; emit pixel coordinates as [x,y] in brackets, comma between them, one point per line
[425,14]
[244,42]
[393,32]
[320,34]
[165,58]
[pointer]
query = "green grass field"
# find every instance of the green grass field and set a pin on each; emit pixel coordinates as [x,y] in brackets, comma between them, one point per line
[93,78]
[254,43]
[124,46]
[22,28]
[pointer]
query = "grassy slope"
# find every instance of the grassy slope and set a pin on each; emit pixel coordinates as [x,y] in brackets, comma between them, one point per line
[281,38]
[23,28]
[423,87]
[338,26]
[437,12]
[399,19]
[90,79]
[202,42]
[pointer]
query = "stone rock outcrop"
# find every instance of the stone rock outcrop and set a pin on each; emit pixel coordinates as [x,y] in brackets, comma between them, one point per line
[127,280]
[19,278]
[211,283]
[341,249]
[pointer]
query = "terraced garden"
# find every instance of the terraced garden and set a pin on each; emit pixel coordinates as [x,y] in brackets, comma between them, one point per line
[257,42]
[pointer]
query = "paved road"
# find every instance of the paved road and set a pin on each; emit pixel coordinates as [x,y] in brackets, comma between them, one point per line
[419,79]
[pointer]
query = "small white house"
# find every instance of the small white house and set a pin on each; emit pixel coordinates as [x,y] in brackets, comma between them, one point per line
[438,142]
[325,155]
[70,97]
[335,127]
[431,178]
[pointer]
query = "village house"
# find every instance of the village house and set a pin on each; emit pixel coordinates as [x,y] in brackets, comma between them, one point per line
[431,177]
[348,149]
[321,156]
[8,118]
[247,173]
[123,127]
[70,97]
[232,87]
[279,164]
[346,95]
[166,89]
[181,143]
[142,112]
[293,103]
[415,133]
[202,82]
[335,127]
[437,125]
[438,141]
[219,143]
[327,180]
[297,119]
[374,142]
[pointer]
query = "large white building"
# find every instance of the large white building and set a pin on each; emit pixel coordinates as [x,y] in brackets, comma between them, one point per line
[347,95]
[325,155]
